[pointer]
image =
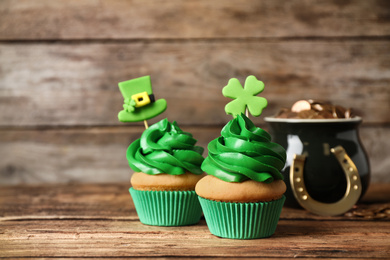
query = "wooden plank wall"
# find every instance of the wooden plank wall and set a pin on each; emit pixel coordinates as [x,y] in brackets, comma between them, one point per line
[60,62]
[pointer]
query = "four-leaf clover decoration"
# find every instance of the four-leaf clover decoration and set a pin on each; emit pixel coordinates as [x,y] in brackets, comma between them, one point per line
[244,98]
[129,105]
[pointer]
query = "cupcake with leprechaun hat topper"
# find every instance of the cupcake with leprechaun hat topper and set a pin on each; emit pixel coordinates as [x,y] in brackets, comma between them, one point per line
[165,160]
[242,197]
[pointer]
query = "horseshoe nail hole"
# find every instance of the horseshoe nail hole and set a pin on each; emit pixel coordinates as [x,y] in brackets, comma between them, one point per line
[296,169]
[355,187]
[300,189]
[350,169]
[355,178]
[345,161]
[304,197]
[298,179]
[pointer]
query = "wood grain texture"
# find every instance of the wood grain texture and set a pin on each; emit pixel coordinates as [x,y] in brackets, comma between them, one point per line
[71,201]
[100,221]
[76,84]
[80,238]
[60,62]
[136,19]
[98,154]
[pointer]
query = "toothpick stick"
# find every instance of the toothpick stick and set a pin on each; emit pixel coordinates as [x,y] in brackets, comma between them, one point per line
[246,112]
[146,124]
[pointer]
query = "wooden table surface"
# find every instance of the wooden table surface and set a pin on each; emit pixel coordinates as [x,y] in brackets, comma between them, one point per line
[99,220]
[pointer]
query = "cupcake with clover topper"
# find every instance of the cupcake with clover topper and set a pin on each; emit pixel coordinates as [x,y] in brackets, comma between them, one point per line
[242,195]
[165,160]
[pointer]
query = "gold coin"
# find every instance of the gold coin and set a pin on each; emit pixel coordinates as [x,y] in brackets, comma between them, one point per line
[300,105]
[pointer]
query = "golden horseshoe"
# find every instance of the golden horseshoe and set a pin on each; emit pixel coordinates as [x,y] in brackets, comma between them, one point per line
[351,196]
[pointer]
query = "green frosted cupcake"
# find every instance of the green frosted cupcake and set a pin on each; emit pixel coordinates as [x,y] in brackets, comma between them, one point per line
[242,197]
[167,164]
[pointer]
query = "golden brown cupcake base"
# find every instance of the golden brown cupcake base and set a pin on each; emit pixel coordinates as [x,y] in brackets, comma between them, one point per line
[165,182]
[212,188]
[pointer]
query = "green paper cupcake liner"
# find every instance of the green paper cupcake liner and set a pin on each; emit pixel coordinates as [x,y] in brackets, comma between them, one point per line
[167,208]
[242,220]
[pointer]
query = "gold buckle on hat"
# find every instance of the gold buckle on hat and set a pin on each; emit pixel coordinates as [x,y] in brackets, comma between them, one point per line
[141,99]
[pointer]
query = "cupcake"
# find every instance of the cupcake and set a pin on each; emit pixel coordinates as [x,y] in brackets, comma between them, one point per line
[242,195]
[167,166]
[165,160]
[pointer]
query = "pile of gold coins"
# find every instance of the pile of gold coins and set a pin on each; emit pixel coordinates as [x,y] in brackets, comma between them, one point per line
[370,212]
[315,109]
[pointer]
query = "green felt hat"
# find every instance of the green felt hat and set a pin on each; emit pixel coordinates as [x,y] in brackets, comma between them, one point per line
[139,101]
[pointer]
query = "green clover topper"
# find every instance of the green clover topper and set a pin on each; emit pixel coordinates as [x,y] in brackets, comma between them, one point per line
[244,98]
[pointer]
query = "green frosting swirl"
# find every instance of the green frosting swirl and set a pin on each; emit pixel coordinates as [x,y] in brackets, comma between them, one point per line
[244,152]
[165,148]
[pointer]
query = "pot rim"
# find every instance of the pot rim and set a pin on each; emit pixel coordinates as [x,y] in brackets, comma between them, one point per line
[314,121]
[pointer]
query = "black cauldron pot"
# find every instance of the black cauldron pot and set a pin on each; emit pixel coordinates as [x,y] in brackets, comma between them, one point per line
[329,160]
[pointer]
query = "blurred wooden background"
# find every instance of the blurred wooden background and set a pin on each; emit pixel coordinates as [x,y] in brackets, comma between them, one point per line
[60,62]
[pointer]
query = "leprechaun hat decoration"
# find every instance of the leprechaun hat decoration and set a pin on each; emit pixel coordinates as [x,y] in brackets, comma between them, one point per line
[139,101]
